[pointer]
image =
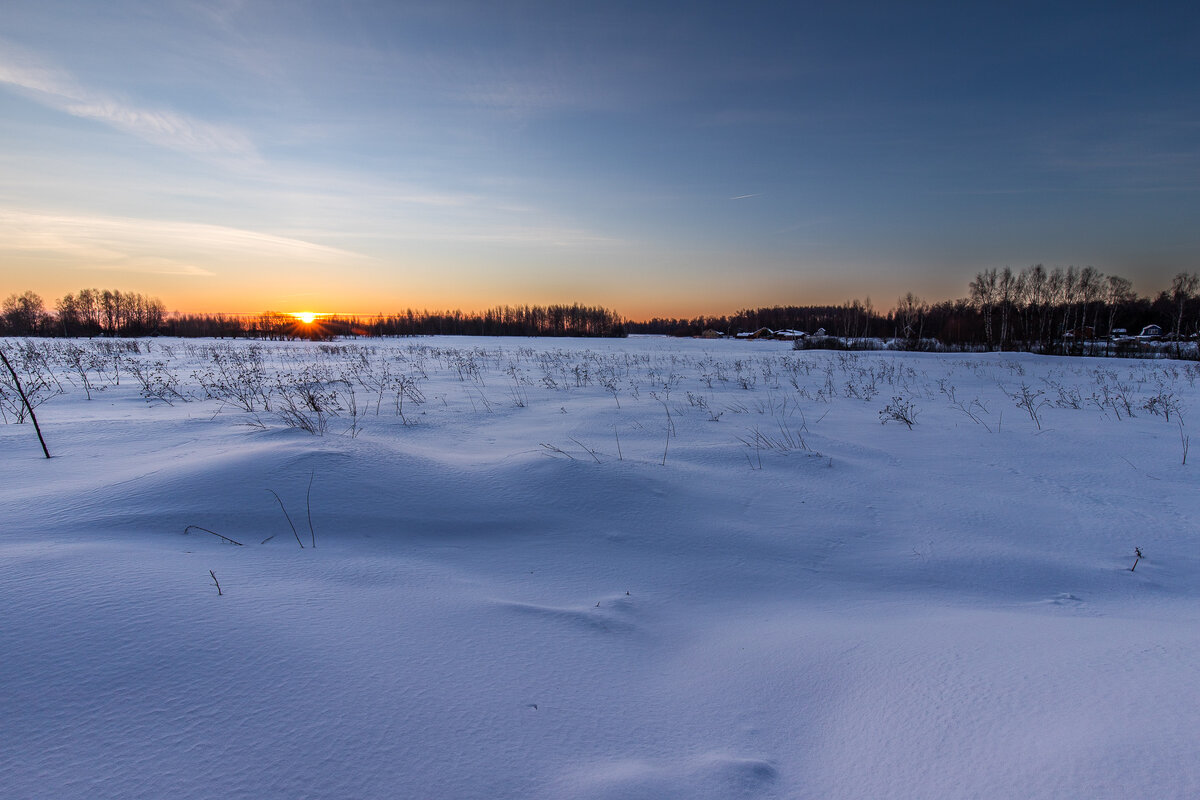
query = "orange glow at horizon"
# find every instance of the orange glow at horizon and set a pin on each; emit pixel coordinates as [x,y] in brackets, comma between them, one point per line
[307,317]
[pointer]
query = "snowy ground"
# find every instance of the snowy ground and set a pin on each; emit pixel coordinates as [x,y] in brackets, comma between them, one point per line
[597,569]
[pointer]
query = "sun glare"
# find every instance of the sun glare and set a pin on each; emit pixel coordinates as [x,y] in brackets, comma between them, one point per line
[305,316]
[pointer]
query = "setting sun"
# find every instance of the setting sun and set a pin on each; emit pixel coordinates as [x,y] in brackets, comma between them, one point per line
[305,316]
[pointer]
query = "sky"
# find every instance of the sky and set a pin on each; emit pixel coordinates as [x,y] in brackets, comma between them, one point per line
[659,159]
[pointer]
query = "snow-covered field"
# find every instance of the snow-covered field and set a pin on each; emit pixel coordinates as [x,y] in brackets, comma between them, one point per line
[597,569]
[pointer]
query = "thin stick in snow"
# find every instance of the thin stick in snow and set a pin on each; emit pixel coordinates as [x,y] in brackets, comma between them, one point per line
[214,533]
[288,518]
[17,383]
[554,451]
[216,582]
[589,450]
[308,505]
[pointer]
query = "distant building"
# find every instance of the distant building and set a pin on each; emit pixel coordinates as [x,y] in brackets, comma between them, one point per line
[761,333]
[1151,332]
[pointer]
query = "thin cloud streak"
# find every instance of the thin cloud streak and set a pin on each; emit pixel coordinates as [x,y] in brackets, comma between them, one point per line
[151,266]
[58,90]
[514,235]
[139,245]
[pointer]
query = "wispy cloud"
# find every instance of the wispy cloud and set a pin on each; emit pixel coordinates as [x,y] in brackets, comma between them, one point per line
[59,90]
[500,234]
[744,196]
[154,246]
[543,236]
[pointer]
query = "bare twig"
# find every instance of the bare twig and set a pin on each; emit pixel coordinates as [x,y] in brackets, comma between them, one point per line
[589,450]
[288,518]
[214,533]
[555,452]
[216,582]
[25,400]
[1135,466]
[308,506]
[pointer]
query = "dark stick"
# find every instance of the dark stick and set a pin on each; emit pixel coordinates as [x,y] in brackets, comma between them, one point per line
[216,582]
[214,533]
[289,519]
[25,400]
[308,505]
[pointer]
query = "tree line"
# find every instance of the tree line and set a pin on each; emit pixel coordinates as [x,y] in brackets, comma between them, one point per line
[95,312]
[1037,309]
[553,320]
[89,312]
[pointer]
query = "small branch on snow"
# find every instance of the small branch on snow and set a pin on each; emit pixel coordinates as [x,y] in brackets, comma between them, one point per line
[308,505]
[28,406]
[214,533]
[288,518]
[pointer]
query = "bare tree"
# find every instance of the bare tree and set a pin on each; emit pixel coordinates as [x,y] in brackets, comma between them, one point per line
[1056,293]
[1070,294]
[24,314]
[1118,291]
[1091,287]
[87,304]
[1183,289]
[912,310]
[983,296]
[1008,289]
[1037,295]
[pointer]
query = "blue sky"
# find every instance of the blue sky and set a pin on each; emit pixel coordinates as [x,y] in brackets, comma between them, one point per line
[657,158]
